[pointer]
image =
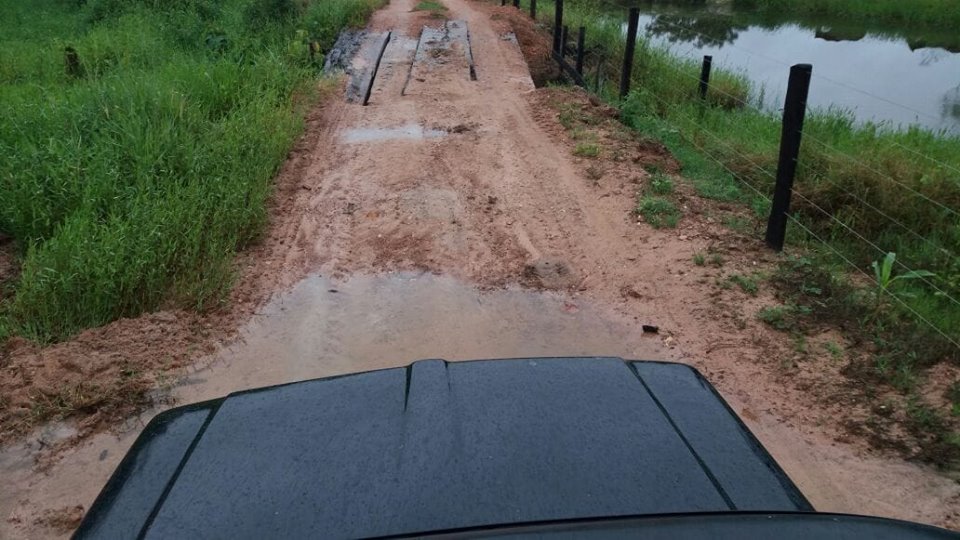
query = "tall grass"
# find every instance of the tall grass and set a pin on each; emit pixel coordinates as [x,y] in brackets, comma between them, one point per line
[945,13]
[132,185]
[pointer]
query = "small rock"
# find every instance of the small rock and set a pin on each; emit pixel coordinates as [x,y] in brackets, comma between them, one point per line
[650,329]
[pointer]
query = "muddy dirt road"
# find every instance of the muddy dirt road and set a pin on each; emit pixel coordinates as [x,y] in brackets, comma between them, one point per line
[449,218]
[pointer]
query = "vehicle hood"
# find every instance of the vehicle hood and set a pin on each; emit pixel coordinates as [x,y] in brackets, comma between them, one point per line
[440,445]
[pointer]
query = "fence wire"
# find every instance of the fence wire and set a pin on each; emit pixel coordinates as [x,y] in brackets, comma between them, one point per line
[604,64]
[794,219]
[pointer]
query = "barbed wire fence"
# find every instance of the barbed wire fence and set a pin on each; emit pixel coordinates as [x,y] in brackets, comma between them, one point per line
[594,65]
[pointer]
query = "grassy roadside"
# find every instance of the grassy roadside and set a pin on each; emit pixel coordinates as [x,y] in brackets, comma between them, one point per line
[895,189]
[139,141]
[944,13]
[892,188]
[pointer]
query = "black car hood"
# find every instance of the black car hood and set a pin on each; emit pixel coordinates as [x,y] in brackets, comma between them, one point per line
[442,445]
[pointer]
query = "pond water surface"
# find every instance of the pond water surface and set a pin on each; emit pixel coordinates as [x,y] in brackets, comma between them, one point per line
[894,75]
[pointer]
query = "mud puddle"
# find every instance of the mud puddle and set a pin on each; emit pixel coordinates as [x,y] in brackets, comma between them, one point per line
[409,132]
[322,328]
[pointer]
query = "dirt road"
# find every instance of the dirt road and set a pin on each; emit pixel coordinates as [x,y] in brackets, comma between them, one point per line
[451,218]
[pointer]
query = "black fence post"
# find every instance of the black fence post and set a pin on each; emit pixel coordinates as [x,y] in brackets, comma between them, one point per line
[581,37]
[705,76]
[564,37]
[533,9]
[628,54]
[557,25]
[794,110]
[516,4]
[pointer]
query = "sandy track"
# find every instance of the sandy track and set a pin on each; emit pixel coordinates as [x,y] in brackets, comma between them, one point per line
[493,194]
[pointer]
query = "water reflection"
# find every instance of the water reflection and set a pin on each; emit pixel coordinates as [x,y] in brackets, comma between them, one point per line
[878,74]
[701,31]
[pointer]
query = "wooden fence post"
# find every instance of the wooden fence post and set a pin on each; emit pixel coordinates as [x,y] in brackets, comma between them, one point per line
[628,54]
[533,9]
[794,110]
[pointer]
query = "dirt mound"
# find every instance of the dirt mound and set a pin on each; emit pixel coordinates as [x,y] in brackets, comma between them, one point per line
[534,42]
[102,375]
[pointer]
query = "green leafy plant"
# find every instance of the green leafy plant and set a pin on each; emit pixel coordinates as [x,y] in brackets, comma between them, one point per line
[661,184]
[883,273]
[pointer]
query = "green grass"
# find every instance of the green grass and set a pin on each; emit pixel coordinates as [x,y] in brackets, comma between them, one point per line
[934,12]
[661,184]
[784,318]
[587,150]
[429,5]
[658,211]
[132,186]
[875,180]
[747,284]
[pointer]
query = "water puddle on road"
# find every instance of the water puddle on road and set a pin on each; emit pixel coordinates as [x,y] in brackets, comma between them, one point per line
[322,328]
[410,132]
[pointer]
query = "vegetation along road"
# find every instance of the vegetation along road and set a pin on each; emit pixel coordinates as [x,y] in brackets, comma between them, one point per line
[190,204]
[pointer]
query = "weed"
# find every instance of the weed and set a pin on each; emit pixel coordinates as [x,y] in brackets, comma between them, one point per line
[717,260]
[747,284]
[737,223]
[581,134]
[658,212]
[587,150]
[661,184]
[699,258]
[883,274]
[835,350]
[784,318]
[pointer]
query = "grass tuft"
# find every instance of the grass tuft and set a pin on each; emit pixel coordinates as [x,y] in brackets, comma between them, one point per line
[658,212]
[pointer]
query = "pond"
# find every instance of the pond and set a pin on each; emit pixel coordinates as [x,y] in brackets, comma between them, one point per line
[892,75]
